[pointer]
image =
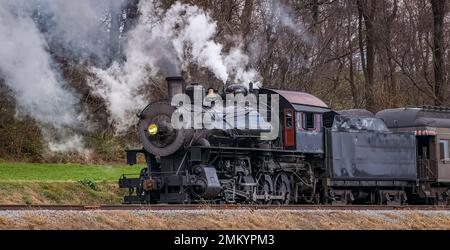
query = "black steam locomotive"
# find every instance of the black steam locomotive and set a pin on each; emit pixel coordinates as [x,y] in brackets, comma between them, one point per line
[318,156]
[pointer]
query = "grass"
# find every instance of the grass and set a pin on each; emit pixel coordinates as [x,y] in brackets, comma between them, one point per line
[74,184]
[70,193]
[62,172]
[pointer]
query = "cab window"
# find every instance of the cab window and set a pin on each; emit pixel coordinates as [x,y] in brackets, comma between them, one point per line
[311,121]
[288,119]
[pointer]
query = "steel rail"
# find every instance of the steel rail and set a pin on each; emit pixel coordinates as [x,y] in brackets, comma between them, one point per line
[221,207]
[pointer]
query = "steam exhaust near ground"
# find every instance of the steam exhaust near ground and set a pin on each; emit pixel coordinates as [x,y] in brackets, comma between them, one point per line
[120,57]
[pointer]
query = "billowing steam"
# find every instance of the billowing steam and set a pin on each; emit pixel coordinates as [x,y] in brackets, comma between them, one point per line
[122,60]
[81,29]
[29,72]
[167,42]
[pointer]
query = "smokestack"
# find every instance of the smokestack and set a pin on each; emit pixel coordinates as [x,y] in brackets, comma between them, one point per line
[174,85]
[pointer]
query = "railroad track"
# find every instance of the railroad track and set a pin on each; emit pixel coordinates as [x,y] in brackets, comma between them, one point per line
[218,207]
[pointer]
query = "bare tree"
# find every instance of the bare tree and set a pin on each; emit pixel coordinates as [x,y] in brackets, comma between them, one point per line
[439,8]
[366,11]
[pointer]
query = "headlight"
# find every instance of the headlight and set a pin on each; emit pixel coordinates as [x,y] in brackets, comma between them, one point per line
[152,129]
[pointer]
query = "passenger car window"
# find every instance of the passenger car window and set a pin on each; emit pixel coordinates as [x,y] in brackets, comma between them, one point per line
[444,148]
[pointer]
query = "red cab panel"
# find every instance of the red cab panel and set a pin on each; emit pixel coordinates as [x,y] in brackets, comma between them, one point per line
[289,128]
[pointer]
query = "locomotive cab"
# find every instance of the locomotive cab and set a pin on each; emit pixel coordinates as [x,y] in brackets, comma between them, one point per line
[301,116]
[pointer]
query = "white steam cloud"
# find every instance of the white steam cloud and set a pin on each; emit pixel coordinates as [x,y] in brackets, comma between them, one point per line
[166,42]
[84,29]
[28,71]
[191,32]
[123,60]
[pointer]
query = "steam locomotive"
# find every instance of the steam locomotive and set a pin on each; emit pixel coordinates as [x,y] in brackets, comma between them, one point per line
[318,156]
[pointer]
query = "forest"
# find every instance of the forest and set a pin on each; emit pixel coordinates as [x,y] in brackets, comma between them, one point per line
[73,75]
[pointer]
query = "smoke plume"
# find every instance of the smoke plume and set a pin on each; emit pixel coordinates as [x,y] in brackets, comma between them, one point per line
[166,42]
[122,59]
[86,30]
[28,70]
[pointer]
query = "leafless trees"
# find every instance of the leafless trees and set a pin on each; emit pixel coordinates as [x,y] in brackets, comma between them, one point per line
[370,54]
[354,54]
[439,8]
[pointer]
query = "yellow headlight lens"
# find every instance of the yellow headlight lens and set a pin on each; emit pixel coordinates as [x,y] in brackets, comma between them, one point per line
[152,129]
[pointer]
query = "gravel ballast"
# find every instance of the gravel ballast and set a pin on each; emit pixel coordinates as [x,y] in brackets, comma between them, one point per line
[229,219]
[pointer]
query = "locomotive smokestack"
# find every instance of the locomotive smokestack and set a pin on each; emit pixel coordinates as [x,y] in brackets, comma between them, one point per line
[174,85]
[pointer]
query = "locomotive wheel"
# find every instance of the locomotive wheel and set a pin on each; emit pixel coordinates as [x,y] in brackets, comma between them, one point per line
[264,187]
[377,198]
[282,187]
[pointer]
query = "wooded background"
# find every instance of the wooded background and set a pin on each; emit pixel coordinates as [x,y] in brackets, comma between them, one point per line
[372,54]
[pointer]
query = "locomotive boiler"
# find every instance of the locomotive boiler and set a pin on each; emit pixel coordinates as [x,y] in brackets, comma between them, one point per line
[209,151]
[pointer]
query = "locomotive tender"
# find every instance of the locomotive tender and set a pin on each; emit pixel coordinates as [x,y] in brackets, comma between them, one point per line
[319,156]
